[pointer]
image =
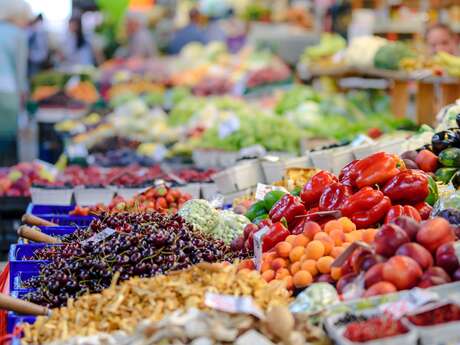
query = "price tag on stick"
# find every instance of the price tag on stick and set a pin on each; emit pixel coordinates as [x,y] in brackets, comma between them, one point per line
[258,244]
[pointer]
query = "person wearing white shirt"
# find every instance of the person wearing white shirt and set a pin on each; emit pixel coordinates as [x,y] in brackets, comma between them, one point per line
[14,17]
[76,49]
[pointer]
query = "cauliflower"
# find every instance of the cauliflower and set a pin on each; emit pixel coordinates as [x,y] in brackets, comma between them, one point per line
[230,226]
[200,214]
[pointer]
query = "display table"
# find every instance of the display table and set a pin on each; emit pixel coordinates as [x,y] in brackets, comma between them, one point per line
[427,99]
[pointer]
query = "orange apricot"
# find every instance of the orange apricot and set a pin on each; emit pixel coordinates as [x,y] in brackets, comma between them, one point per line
[302,279]
[369,235]
[265,266]
[337,236]
[268,275]
[296,253]
[283,249]
[278,263]
[336,273]
[347,224]
[290,239]
[324,264]
[336,251]
[315,249]
[310,266]
[281,273]
[289,281]
[301,240]
[310,229]
[269,256]
[326,240]
[246,264]
[333,225]
[295,267]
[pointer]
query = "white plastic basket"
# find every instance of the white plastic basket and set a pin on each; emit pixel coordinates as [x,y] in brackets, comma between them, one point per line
[93,196]
[248,174]
[128,193]
[225,181]
[208,190]
[56,197]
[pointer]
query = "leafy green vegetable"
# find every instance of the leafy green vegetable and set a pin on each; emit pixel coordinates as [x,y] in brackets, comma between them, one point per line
[390,55]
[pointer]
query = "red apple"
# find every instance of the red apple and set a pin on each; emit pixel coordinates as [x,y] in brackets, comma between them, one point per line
[435,232]
[402,271]
[389,238]
[344,281]
[380,288]
[434,276]
[446,257]
[416,252]
[374,275]
[409,225]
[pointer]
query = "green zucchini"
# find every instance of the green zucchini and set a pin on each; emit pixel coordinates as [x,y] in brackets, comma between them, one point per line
[450,157]
[444,175]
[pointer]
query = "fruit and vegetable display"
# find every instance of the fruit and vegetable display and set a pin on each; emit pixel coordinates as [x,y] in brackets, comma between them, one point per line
[123,306]
[139,244]
[19,179]
[161,199]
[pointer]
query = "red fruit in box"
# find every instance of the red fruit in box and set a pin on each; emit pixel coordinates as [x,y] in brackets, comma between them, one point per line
[380,288]
[344,281]
[160,191]
[248,229]
[446,257]
[402,271]
[373,275]
[161,203]
[434,276]
[435,232]
[416,252]
[409,225]
[238,243]
[427,161]
[389,238]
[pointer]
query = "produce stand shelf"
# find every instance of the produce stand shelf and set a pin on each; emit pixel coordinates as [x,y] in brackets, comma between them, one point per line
[426,100]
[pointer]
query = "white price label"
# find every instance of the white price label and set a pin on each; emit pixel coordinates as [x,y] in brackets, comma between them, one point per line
[263,189]
[233,304]
[258,242]
[100,236]
[228,126]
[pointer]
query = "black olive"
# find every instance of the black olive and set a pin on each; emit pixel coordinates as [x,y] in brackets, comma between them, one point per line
[443,140]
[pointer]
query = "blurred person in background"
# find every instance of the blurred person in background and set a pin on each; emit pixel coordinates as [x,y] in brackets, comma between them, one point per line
[440,38]
[141,43]
[214,31]
[38,45]
[76,49]
[15,15]
[189,33]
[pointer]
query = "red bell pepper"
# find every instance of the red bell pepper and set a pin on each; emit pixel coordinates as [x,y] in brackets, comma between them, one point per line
[276,234]
[312,191]
[398,210]
[288,207]
[334,196]
[408,187]
[424,209]
[348,174]
[375,169]
[366,207]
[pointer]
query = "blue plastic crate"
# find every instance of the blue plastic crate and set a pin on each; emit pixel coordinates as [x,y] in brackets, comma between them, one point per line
[14,319]
[56,231]
[39,210]
[69,220]
[21,277]
[18,263]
